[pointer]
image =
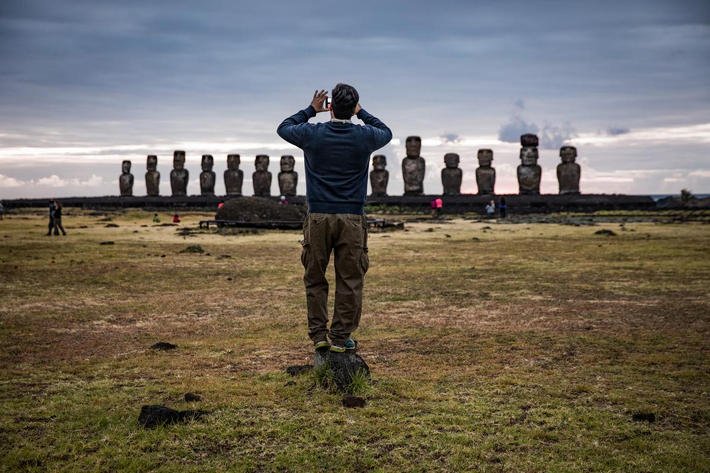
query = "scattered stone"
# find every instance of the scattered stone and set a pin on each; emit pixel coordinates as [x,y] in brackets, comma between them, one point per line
[192,397]
[429,229]
[224,256]
[295,370]
[111,225]
[353,401]
[135,231]
[163,346]
[193,249]
[486,228]
[447,235]
[162,256]
[154,415]
[342,367]
[107,243]
[643,416]
[605,232]
[476,239]
[229,279]
[83,226]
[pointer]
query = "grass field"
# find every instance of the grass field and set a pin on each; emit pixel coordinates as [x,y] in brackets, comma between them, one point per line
[516,348]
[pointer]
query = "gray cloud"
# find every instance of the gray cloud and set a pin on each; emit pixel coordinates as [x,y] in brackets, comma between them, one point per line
[617,130]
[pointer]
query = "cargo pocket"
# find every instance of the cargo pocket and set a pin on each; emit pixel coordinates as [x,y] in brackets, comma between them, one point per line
[364,261]
[305,252]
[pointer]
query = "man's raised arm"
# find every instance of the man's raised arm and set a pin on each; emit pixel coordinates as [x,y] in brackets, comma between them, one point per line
[381,134]
[295,128]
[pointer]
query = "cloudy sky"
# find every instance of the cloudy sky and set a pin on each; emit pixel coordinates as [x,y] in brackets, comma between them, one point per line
[85,84]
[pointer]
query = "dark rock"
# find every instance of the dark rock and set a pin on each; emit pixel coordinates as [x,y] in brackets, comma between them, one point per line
[257,209]
[528,139]
[643,416]
[193,249]
[106,243]
[163,346]
[229,279]
[111,225]
[155,415]
[224,256]
[353,401]
[605,232]
[295,370]
[192,397]
[341,368]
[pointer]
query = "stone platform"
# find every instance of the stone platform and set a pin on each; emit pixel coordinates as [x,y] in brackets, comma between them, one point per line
[452,204]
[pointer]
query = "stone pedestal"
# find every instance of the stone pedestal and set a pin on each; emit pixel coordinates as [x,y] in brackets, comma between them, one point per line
[288,178]
[233,176]
[207,176]
[261,178]
[179,176]
[451,175]
[379,176]
[568,171]
[125,180]
[152,176]
[485,173]
[529,172]
[413,167]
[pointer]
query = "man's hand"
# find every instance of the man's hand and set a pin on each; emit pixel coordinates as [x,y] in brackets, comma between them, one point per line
[318,102]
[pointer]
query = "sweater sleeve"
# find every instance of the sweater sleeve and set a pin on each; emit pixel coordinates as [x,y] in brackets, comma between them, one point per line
[380,133]
[295,129]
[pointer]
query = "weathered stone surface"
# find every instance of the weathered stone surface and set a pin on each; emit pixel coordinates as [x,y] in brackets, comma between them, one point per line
[379,176]
[342,365]
[485,173]
[152,176]
[207,176]
[257,209]
[261,178]
[179,176]
[233,176]
[568,171]
[413,167]
[529,172]
[288,178]
[451,175]
[528,139]
[154,415]
[163,346]
[125,180]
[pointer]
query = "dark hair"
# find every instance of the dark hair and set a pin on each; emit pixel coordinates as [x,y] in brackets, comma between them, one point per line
[345,98]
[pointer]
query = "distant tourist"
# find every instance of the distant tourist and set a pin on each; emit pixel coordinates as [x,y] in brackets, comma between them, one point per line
[502,207]
[436,206]
[220,205]
[337,155]
[156,219]
[50,227]
[491,209]
[176,218]
[58,218]
[282,200]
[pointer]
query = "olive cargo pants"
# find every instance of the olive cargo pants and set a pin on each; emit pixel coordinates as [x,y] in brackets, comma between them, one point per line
[345,235]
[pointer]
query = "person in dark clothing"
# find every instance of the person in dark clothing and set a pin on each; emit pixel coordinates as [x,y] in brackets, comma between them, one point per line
[337,155]
[58,218]
[50,227]
[502,207]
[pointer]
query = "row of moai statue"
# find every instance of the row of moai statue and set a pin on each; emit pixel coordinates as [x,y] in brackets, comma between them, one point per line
[233,176]
[529,172]
[413,170]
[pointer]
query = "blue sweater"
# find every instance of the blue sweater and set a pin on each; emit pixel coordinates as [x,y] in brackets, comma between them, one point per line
[337,157]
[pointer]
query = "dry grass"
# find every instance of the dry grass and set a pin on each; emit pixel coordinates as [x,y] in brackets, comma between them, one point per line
[525,347]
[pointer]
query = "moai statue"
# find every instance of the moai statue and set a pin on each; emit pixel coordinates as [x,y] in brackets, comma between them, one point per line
[451,175]
[485,173]
[261,179]
[413,167]
[233,176]
[529,172]
[152,177]
[379,176]
[288,178]
[125,180]
[179,175]
[568,172]
[207,176]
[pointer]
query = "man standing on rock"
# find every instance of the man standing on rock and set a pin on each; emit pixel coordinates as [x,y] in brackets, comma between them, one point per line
[337,155]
